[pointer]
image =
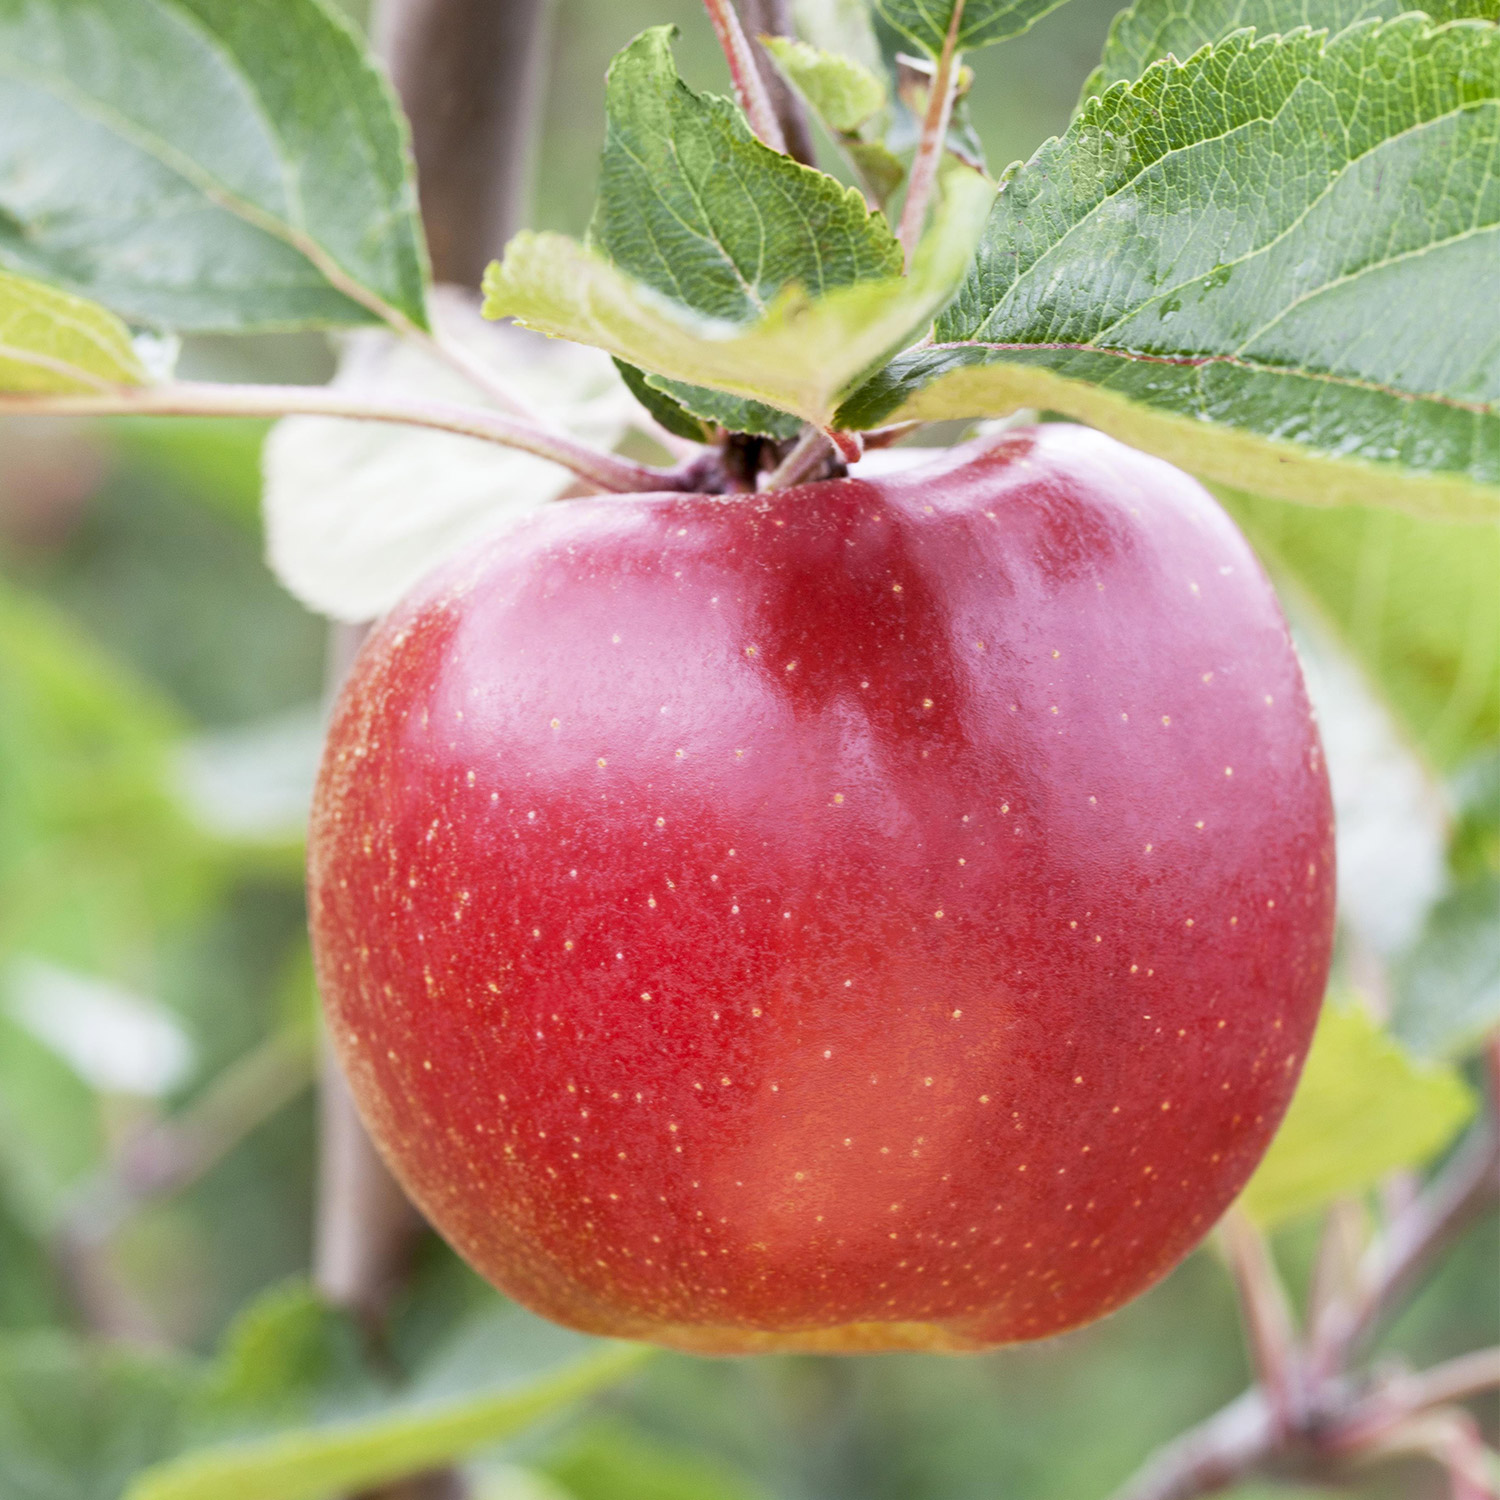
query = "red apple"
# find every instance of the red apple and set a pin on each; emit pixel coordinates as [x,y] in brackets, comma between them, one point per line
[872,915]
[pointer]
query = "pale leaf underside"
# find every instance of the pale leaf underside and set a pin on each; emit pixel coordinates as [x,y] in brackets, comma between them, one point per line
[1277,265]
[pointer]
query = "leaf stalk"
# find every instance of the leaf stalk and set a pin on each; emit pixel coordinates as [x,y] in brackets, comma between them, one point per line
[749,86]
[200,399]
[924,167]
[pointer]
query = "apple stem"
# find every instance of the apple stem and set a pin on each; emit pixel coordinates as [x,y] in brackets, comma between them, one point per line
[1311,1409]
[810,452]
[924,167]
[749,86]
[195,398]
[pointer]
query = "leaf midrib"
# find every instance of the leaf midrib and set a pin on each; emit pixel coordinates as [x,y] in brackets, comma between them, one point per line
[1200,361]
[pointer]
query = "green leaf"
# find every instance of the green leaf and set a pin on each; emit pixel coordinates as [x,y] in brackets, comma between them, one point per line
[879,168]
[76,1422]
[926,22]
[799,356]
[1277,265]
[295,1414]
[1152,29]
[674,417]
[52,342]
[694,207]
[1413,601]
[853,103]
[1364,1108]
[611,1461]
[846,94]
[209,164]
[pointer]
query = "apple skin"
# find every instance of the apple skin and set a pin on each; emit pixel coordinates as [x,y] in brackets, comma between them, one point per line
[872,915]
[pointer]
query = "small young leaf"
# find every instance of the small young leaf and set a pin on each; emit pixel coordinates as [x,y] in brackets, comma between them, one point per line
[210,164]
[842,26]
[1153,29]
[879,168]
[798,356]
[693,206]
[843,92]
[853,104]
[1277,264]
[52,342]
[1364,1108]
[926,22]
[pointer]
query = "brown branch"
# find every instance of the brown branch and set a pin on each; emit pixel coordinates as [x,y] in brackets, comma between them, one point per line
[471,75]
[1266,1312]
[1230,1445]
[1466,1188]
[774,18]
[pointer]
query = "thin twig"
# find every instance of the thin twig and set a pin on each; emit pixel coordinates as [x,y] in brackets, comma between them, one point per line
[924,167]
[749,86]
[1408,1395]
[197,399]
[1231,1444]
[175,1153]
[1267,1313]
[1462,1191]
[157,1162]
[1335,1275]
[1450,1438]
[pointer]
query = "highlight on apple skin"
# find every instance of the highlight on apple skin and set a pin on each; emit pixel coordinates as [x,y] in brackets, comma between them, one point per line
[881,914]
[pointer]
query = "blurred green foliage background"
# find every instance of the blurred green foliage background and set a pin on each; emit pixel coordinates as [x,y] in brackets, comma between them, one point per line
[158,718]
